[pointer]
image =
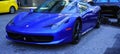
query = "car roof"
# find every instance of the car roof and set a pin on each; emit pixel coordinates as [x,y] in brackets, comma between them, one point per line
[106,0]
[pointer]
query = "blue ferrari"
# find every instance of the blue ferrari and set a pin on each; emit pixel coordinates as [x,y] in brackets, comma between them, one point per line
[54,22]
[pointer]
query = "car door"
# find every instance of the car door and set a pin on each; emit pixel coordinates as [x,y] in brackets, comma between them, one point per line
[94,15]
[4,6]
[86,15]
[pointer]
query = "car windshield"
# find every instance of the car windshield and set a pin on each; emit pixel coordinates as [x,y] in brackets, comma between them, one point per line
[52,6]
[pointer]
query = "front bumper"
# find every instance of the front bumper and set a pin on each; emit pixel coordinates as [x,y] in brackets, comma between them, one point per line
[41,38]
[41,43]
[59,36]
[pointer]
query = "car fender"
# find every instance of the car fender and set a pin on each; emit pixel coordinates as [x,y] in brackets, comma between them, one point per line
[72,20]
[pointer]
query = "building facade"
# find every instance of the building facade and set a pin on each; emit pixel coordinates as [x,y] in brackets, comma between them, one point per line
[29,3]
[33,3]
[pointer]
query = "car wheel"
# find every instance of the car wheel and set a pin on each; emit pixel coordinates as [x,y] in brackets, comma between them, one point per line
[104,20]
[12,10]
[98,23]
[118,16]
[76,32]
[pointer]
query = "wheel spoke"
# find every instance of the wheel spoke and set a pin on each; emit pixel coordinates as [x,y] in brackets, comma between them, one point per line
[77,27]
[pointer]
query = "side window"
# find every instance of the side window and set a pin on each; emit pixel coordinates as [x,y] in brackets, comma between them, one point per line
[114,0]
[82,7]
[98,1]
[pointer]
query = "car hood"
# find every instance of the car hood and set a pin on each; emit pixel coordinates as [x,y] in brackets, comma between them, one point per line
[38,20]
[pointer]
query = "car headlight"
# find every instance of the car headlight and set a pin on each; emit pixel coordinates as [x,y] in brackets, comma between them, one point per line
[57,25]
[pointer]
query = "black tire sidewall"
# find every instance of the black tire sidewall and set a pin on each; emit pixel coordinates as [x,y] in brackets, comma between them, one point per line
[104,20]
[118,16]
[98,21]
[73,37]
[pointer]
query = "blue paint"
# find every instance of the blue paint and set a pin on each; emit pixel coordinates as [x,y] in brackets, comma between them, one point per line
[53,24]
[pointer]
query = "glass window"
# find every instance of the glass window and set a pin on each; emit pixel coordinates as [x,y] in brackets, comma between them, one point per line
[82,7]
[114,0]
[50,6]
[102,1]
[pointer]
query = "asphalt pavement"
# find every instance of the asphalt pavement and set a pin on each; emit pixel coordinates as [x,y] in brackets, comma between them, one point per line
[97,41]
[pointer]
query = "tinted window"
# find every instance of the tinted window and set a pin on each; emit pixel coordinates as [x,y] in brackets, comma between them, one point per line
[82,7]
[114,0]
[102,1]
[51,6]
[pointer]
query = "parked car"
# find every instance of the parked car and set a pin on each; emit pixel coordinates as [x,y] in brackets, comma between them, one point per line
[8,6]
[110,9]
[54,22]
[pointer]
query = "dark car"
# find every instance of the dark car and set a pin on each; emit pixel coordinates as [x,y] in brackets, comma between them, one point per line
[110,9]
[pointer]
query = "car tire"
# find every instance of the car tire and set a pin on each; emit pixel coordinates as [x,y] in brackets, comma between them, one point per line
[76,32]
[104,20]
[118,16]
[12,10]
[98,22]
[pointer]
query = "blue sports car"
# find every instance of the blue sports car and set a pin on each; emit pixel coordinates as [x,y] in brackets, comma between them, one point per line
[54,22]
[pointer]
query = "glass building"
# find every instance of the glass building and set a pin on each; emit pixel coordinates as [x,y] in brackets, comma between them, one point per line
[29,3]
